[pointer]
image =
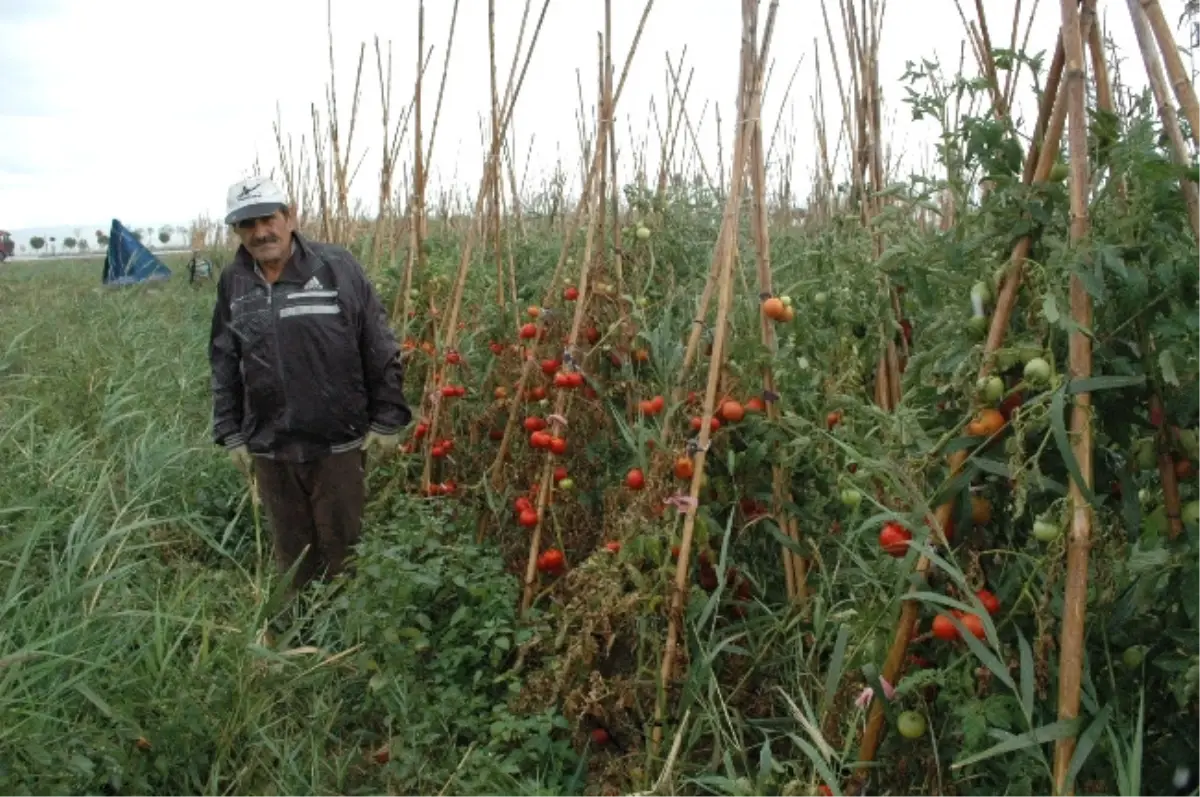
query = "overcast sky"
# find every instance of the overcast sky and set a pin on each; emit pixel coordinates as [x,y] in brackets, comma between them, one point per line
[148,109]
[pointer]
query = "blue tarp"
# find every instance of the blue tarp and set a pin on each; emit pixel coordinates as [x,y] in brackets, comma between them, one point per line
[128,262]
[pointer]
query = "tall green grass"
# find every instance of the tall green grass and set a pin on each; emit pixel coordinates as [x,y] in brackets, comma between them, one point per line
[137,593]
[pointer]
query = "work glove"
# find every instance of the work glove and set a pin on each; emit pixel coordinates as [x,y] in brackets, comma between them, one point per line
[381,443]
[241,459]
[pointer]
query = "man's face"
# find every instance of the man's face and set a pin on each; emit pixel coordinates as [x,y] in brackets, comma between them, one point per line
[268,239]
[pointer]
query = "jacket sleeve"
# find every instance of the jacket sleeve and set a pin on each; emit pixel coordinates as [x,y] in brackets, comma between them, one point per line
[383,367]
[224,357]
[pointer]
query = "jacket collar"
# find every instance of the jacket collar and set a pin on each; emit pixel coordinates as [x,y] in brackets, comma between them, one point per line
[298,268]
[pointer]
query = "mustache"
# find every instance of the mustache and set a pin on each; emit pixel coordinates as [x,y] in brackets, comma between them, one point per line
[268,239]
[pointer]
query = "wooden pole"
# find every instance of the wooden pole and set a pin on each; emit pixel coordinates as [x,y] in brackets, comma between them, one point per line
[1070,662]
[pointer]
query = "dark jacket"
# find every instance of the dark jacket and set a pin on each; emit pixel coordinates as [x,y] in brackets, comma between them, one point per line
[303,368]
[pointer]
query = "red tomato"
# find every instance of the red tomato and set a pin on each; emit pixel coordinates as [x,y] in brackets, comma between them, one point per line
[943,628]
[571,294]
[529,331]
[732,411]
[528,517]
[684,469]
[635,480]
[558,446]
[973,624]
[989,601]
[552,559]
[599,736]
[894,539]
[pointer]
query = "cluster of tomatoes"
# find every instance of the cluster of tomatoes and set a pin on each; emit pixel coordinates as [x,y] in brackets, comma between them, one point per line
[945,630]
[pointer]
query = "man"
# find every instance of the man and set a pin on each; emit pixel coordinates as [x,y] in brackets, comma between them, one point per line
[306,379]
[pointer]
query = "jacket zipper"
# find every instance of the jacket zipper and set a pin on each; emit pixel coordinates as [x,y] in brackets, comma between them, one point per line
[275,344]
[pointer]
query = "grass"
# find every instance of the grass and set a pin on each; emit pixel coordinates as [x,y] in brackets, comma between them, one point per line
[135,586]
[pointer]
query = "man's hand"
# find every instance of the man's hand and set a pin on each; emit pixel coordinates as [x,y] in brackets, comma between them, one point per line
[381,443]
[241,459]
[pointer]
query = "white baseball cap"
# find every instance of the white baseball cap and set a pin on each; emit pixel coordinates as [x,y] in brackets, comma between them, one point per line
[253,198]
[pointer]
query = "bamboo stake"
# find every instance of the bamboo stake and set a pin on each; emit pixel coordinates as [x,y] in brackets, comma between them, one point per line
[1185,92]
[497,140]
[1166,109]
[794,566]
[750,106]
[1070,666]
[417,259]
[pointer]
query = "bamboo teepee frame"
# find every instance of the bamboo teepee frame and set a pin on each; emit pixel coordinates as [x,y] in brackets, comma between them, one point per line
[749,108]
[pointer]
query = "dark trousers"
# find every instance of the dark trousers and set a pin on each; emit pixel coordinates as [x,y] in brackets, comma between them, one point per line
[318,505]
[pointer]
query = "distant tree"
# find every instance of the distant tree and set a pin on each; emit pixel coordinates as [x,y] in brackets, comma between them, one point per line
[83,245]
[69,242]
[53,240]
[37,242]
[182,233]
[164,235]
[22,248]
[137,234]
[101,238]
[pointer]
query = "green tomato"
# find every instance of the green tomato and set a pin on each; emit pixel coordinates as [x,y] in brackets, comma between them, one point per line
[911,724]
[1191,513]
[1133,656]
[566,484]
[570,260]
[1189,442]
[802,363]
[981,291]
[642,301]
[978,325]
[643,233]
[414,294]
[851,498]
[1037,371]
[1045,530]
[1144,454]
[787,300]
[990,389]
[1059,172]
[820,297]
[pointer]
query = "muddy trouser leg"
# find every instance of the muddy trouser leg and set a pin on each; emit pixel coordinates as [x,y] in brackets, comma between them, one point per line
[285,488]
[339,491]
